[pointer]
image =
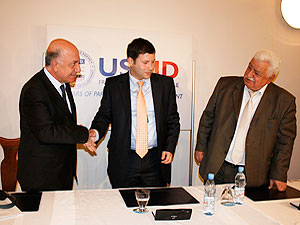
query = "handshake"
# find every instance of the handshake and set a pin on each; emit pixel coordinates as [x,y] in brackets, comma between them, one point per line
[90,144]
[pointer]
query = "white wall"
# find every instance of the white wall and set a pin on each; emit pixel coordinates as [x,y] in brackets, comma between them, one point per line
[225,34]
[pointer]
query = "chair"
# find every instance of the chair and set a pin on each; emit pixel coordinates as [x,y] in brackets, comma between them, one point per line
[9,163]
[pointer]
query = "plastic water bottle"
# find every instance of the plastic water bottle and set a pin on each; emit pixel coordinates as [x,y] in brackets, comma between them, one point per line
[209,195]
[239,188]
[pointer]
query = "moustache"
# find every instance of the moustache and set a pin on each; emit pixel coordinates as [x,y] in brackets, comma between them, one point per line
[250,78]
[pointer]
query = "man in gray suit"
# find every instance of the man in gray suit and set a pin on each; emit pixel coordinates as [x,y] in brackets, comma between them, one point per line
[263,143]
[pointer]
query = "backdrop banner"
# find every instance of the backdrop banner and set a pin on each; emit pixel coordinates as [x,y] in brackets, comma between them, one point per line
[103,54]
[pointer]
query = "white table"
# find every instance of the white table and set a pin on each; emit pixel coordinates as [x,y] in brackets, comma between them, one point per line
[106,206]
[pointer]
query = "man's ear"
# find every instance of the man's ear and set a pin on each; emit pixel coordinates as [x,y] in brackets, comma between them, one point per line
[130,61]
[271,78]
[54,65]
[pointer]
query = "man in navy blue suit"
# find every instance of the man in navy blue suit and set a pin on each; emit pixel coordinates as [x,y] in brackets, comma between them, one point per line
[119,108]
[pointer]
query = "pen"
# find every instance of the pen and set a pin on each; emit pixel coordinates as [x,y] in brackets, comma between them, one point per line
[298,207]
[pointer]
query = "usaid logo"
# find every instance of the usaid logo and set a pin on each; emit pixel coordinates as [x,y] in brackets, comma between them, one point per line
[87,70]
[166,68]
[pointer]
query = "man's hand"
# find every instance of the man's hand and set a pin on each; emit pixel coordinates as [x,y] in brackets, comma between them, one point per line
[280,185]
[166,157]
[199,156]
[90,144]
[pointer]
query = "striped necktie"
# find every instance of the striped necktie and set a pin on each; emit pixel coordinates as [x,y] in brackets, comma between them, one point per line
[63,90]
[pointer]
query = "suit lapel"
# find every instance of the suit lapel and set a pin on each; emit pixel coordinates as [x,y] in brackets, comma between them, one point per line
[237,98]
[124,90]
[156,94]
[264,103]
[55,96]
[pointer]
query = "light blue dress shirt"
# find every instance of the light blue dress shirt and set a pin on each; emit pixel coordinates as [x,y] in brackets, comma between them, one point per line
[147,91]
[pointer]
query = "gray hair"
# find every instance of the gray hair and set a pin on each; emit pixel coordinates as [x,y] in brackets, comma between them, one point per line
[50,55]
[272,58]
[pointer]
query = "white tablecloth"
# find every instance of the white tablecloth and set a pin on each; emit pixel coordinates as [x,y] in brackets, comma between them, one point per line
[105,206]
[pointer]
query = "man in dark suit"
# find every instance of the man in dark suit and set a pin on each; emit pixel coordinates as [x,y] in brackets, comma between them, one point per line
[49,133]
[119,107]
[263,143]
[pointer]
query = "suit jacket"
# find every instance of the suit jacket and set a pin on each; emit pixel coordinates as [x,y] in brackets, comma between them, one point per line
[270,138]
[115,109]
[47,151]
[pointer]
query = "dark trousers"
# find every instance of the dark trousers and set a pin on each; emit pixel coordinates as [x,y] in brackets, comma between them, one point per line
[145,172]
[226,173]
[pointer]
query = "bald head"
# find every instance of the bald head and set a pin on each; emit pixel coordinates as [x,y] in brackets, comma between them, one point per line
[56,48]
[62,60]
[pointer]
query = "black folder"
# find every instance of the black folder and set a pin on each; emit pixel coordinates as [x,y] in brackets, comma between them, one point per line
[172,214]
[263,193]
[160,196]
[28,201]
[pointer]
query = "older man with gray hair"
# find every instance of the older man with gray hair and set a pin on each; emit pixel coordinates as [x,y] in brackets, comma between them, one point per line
[249,121]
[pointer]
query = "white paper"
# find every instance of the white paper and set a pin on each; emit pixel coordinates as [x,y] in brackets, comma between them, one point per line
[8,213]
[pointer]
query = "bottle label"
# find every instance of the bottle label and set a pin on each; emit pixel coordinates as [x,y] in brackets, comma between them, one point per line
[239,194]
[208,200]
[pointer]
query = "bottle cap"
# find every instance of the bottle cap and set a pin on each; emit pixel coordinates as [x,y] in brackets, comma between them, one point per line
[241,169]
[211,176]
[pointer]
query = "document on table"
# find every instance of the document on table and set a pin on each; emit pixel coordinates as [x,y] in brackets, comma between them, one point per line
[295,204]
[8,213]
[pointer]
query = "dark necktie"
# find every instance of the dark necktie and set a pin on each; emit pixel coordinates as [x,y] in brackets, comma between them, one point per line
[63,90]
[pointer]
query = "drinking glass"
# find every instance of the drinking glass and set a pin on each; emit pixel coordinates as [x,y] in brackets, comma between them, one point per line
[227,198]
[142,197]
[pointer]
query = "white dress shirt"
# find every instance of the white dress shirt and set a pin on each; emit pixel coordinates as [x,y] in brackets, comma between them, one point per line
[255,101]
[57,85]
